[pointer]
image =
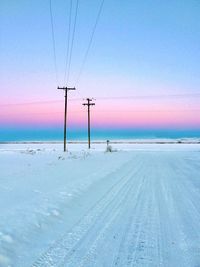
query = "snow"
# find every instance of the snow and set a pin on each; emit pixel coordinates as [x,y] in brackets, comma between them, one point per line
[138,206]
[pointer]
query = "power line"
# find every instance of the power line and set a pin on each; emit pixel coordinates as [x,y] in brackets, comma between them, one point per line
[53,40]
[107,98]
[32,103]
[68,40]
[90,41]
[99,98]
[72,42]
[111,111]
[149,96]
[39,102]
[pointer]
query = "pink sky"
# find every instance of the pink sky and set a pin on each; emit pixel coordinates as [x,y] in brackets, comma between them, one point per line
[140,113]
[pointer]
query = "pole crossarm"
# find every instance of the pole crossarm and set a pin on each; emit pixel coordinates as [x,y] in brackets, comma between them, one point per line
[89,102]
[66,88]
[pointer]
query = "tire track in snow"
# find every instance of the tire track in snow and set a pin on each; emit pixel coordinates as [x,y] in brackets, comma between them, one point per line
[187,217]
[132,245]
[105,225]
[62,247]
[152,213]
[99,232]
[127,233]
[173,199]
[124,255]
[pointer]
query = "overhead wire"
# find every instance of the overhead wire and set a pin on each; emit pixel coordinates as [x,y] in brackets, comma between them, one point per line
[68,41]
[110,112]
[90,41]
[109,98]
[72,41]
[53,40]
[149,96]
[38,102]
[71,37]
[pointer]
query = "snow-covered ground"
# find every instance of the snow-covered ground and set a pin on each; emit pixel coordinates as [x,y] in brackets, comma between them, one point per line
[139,206]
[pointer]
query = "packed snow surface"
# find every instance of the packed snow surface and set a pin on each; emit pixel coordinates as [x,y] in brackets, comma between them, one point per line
[137,206]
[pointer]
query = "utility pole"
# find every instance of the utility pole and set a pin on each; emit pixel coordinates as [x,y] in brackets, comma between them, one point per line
[88,104]
[65,118]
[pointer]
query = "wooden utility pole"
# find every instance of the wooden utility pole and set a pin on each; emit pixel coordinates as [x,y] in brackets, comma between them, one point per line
[88,104]
[65,117]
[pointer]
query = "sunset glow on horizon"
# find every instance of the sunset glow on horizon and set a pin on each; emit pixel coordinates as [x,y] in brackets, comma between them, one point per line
[142,68]
[112,118]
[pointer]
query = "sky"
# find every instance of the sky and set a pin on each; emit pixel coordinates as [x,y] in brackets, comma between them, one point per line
[142,68]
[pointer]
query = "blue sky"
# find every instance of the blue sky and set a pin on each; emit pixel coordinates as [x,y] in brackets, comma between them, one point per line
[146,47]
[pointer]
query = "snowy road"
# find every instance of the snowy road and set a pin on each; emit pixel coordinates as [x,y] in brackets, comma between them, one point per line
[143,210]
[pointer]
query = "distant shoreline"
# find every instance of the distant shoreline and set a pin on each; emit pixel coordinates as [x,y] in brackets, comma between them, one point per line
[158,141]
